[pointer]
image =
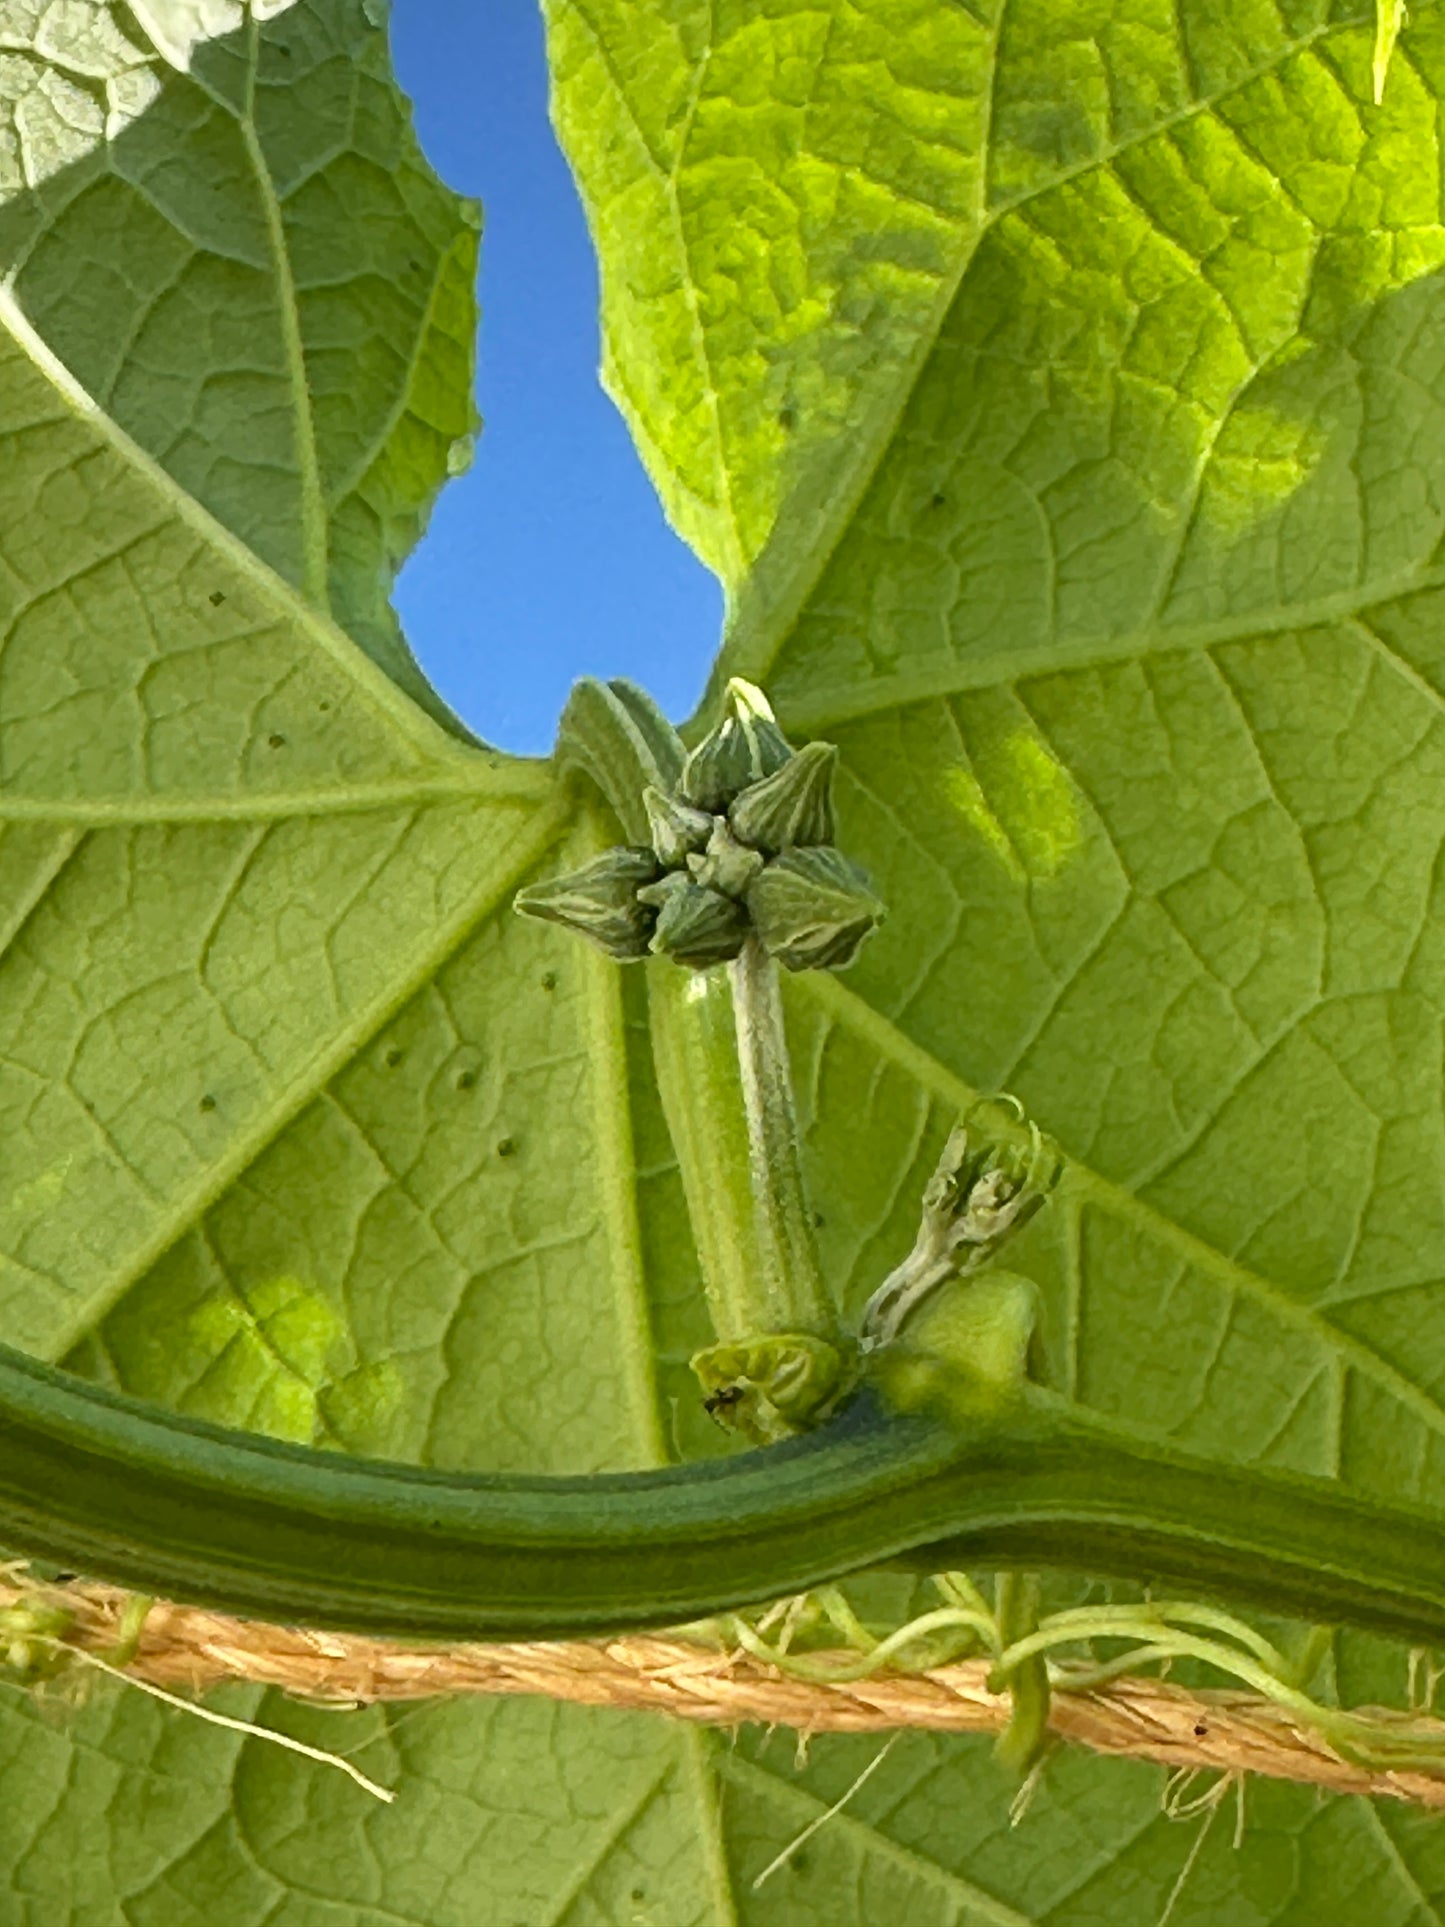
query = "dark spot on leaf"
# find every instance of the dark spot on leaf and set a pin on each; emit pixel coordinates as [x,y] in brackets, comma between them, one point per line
[549,980]
[1200,1731]
[787,418]
[639,1893]
[819,1220]
[415,266]
[208,1103]
[506,1147]
[218,596]
[393,1058]
[464,1067]
[276,739]
[800,1863]
[323,706]
[937,501]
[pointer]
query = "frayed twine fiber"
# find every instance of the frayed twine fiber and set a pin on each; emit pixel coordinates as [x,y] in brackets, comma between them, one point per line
[188,1648]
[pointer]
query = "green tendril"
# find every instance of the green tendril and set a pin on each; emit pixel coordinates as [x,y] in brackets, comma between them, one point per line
[1156,1634]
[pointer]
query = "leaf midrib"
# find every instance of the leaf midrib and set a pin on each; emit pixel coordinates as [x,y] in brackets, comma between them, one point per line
[616,1144]
[488,778]
[315,532]
[956,676]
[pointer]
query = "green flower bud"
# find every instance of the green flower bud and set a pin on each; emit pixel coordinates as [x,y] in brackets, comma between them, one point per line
[812,909]
[695,926]
[746,746]
[660,892]
[728,865]
[793,806]
[676,829]
[599,901]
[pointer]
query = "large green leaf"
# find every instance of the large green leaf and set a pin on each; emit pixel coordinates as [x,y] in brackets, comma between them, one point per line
[1059,390]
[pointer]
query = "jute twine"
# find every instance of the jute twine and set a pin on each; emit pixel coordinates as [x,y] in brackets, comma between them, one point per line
[188,1649]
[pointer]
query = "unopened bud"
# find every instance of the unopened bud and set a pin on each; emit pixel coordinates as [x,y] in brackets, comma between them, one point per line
[727,865]
[813,910]
[600,901]
[793,806]
[676,829]
[696,926]
[746,746]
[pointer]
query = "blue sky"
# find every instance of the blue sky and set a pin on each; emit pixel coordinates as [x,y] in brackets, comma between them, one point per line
[551,559]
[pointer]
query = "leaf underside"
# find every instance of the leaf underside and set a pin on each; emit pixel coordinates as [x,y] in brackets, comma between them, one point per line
[1060,393]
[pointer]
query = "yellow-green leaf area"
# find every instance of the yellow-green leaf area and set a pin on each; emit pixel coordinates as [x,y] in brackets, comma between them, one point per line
[781,197]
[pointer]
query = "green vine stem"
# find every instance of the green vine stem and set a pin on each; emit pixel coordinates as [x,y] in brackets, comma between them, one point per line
[694,1048]
[100,1483]
[722,1072]
[792,1278]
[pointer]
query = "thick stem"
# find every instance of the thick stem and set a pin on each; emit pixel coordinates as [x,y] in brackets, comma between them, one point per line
[102,1484]
[722,1069]
[784,1222]
[695,1052]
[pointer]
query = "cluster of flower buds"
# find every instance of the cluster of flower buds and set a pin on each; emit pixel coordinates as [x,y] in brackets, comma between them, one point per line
[740,845]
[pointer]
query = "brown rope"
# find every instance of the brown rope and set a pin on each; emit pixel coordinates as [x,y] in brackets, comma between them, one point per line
[187,1648]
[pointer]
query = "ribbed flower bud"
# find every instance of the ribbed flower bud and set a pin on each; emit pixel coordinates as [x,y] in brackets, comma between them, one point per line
[812,909]
[696,926]
[676,829]
[793,806]
[746,746]
[726,865]
[600,901]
